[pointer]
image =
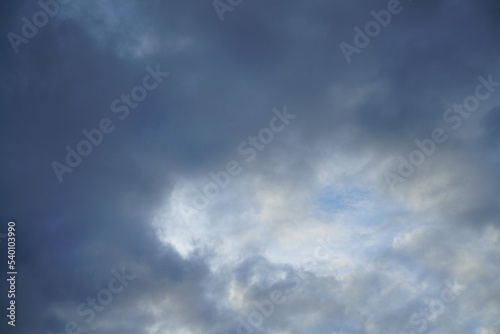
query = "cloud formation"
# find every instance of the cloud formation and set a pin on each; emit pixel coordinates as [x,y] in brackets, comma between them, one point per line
[308,237]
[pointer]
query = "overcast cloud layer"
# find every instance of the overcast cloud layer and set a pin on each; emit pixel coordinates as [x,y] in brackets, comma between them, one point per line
[268,178]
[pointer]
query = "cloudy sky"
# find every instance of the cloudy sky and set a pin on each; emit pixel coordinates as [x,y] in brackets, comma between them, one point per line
[251,166]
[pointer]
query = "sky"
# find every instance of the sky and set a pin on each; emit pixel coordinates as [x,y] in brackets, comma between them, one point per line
[246,166]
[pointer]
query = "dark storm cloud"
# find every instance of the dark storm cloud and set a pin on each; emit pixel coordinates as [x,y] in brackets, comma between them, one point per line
[226,77]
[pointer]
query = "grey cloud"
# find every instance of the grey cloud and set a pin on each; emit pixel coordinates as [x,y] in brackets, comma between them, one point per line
[226,77]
